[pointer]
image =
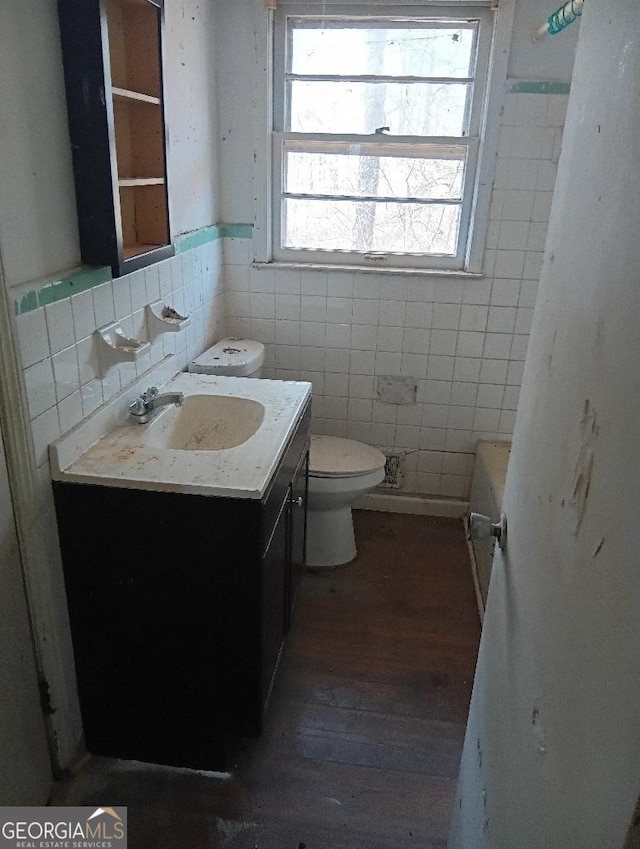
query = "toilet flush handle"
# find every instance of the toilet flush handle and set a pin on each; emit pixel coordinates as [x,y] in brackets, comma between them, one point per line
[481,527]
[297,501]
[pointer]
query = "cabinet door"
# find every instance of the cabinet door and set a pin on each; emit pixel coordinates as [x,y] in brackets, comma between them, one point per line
[297,536]
[273,598]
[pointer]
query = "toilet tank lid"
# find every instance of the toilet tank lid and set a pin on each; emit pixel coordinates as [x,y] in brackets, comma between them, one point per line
[230,356]
[332,455]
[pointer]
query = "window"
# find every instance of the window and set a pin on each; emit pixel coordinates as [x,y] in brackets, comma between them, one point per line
[377,121]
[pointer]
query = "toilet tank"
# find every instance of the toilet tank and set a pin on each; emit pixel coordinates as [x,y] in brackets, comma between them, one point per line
[231,357]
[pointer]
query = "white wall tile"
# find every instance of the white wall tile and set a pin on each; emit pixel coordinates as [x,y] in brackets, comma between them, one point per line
[392,313]
[70,411]
[463,340]
[339,310]
[60,325]
[103,305]
[91,396]
[314,283]
[65,373]
[467,369]
[388,363]
[446,316]
[288,332]
[337,359]
[338,335]
[470,344]
[416,341]
[463,394]
[490,395]
[32,337]
[40,387]
[359,409]
[359,385]
[493,371]
[45,429]
[390,339]
[497,346]
[362,362]
[443,342]
[505,293]
[122,298]
[473,317]
[312,358]
[84,320]
[440,368]
[501,319]
[262,280]
[340,284]
[363,337]
[414,365]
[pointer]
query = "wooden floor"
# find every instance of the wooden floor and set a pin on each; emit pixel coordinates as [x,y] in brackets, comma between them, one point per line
[366,723]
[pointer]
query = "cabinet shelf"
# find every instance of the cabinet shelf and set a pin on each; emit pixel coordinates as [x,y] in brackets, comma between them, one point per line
[136,250]
[126,95]
[141,181]
[112,52]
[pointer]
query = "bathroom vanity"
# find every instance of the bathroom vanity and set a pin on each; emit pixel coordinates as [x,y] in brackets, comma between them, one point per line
[181,594]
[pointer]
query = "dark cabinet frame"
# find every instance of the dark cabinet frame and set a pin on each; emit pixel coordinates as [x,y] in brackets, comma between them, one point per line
[179,606]
[115,130]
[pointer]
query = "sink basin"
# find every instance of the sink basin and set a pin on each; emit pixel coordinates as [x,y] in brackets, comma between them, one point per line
[207,423]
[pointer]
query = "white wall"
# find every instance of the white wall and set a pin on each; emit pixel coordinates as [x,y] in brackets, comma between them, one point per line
[464,341]
[38,239]
[550,59]
[38,225]
[552,750]
[192,125]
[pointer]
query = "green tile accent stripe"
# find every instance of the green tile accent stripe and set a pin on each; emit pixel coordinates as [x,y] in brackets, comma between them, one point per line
[55,290]
[237,231]
[537,87]
[197,238]
[87,277]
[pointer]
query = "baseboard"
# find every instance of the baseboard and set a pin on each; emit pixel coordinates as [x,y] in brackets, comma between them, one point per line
[420,505]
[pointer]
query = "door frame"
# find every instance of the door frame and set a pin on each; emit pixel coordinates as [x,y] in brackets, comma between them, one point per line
[15,431]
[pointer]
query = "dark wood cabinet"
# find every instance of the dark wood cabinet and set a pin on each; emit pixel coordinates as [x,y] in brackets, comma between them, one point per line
[112,53]
[179,607]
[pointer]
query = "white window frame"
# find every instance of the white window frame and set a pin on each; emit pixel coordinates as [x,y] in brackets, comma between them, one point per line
[484,134]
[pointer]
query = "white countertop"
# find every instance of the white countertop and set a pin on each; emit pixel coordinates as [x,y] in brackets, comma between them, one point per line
[125,457]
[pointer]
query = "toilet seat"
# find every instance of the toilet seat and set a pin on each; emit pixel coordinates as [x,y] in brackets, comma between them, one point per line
[334,457]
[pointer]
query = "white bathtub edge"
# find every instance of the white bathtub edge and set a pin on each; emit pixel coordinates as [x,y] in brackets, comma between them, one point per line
[420,505]
[474,572]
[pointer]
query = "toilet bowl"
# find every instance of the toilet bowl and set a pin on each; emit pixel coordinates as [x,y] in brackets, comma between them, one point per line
[232,357]
[340,470]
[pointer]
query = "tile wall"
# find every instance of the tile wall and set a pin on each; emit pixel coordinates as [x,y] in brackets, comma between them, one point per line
[463,340]
[59,359]
[59,348]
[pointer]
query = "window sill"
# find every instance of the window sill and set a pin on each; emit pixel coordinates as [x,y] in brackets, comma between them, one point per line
[367,269]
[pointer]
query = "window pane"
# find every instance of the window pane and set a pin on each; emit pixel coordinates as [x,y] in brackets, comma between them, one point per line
[419,49]
[413,109]
[370,226]
[425,176]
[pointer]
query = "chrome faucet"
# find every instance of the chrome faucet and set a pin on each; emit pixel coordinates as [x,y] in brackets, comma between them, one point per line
[144,407]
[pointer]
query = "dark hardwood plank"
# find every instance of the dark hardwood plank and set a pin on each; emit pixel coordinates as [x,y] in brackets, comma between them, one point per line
[364,733]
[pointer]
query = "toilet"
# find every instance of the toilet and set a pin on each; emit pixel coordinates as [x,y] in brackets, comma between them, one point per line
[340,470]
[232,357]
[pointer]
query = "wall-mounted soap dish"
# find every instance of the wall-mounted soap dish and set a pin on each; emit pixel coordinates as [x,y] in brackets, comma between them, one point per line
[114,347]
[163,319]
